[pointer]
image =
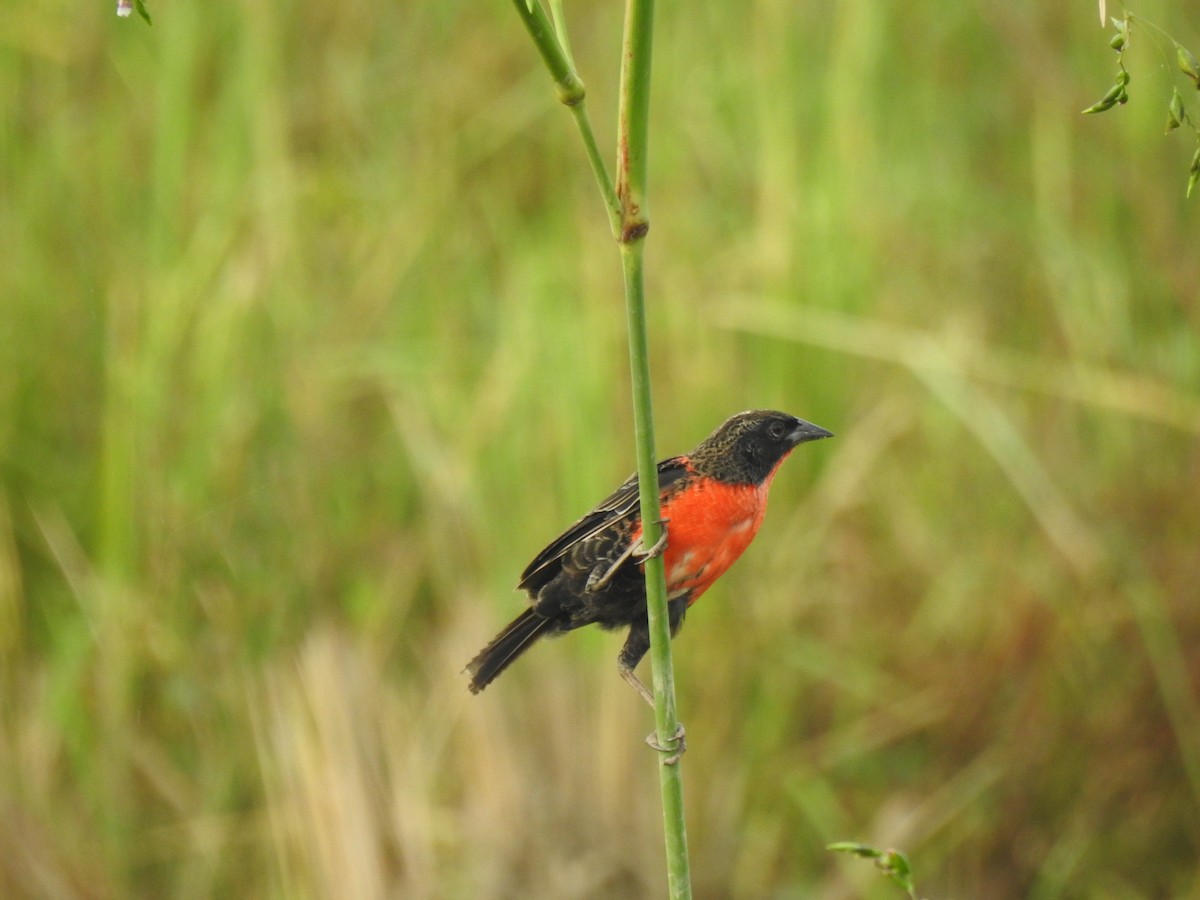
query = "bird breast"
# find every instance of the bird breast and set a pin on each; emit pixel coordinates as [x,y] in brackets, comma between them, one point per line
[709,526]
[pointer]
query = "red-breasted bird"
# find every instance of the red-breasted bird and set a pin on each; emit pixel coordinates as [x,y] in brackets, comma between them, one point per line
[713,501]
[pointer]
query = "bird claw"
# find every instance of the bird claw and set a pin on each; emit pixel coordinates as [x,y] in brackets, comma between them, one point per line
[676,752]
[641,554]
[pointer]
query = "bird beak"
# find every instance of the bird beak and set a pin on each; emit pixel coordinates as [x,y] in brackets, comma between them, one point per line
[807,431]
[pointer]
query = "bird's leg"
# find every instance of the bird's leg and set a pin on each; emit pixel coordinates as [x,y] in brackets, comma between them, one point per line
[677,738]
[636,645]
[636,683]
[652,738]
[598,582]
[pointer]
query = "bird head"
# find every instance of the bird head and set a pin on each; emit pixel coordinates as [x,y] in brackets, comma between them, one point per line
[749,446]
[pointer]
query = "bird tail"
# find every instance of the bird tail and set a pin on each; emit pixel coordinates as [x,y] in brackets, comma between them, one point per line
[506,647]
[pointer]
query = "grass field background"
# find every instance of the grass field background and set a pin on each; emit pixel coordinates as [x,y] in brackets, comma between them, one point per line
[311,334]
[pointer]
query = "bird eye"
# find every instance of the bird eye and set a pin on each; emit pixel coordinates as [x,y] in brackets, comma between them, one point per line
[776,430]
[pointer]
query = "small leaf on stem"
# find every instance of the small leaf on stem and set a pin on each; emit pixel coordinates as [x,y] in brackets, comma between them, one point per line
[863,850]
[1109,100]
[1175,111]
[1188,64]
[895,865]
[890,862]
[1121,38]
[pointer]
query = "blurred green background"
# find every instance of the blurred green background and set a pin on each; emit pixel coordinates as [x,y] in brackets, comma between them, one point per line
[312,334]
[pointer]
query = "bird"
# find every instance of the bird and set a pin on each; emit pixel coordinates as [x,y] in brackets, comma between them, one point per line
[713,500]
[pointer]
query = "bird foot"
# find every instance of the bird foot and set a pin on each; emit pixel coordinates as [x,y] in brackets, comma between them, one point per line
[676,751]
[641,554]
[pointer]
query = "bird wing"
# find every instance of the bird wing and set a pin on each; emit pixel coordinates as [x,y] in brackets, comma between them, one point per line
[623,503]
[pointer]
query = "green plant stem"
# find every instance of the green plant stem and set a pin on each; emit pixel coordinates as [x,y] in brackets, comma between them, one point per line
[632,145]
[608,193]
[633,117]
[572,94]
[665,715]
[626,205]
[560,29]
